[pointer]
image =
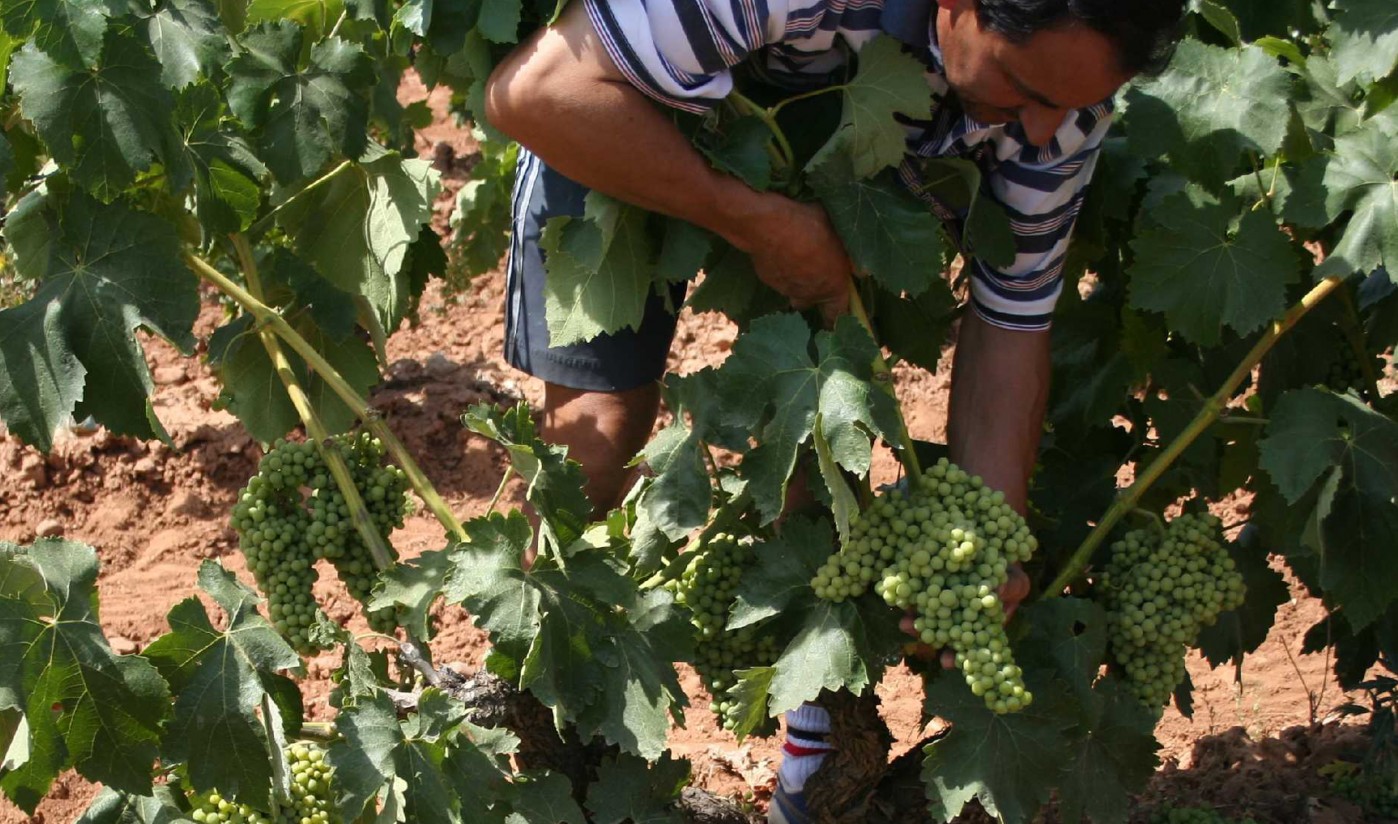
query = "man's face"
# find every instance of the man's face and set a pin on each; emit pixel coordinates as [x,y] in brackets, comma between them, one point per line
[1036,82]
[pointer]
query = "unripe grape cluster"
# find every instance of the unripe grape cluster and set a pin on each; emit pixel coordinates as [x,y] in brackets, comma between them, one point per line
[1375,795]
[942,549]
[708,587]
[1160,590]
[291,513]
[1193,815]
[312,799]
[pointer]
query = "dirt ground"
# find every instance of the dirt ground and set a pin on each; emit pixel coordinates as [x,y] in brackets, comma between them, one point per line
[155,512]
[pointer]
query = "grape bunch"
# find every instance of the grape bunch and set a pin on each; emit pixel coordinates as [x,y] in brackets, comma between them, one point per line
[1372,793]
[1160,591]
[708,587]
[942,549]
[291,513]
[312,799]
[1346,371]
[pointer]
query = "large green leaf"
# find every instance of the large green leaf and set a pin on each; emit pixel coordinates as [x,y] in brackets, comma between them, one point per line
[85,706]
[116,807]
[1211,106]
[889,234]
[1113,756]
[1365,37]
[105,270]
[357,228]
[215,154]
[1361,177]
[1204,273]
[1241,631]
[303,115]
[1011,763]
[888,82]
[600,270]
[187,37]
[104,123]
[69,30]
[1315,435]
[629,789]
[219,678]
[774,386]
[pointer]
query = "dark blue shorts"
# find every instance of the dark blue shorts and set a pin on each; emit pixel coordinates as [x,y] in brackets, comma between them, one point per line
[607,363]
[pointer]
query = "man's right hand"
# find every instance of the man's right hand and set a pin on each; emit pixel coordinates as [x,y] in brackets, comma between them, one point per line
[796,251]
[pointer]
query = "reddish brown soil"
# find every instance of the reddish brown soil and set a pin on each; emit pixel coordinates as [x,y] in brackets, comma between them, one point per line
[155,512]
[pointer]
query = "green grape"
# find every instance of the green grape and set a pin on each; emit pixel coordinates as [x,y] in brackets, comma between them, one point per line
[1170,814]
[942,549]
[1160,590]
[1371,792]
[311,801]
[291,513]
[708,587]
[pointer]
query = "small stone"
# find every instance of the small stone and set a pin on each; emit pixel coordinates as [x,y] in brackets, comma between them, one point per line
[34,469]
[185,502]
[147,466]
[122,645]
[169,375]
[440,367]
[49,528]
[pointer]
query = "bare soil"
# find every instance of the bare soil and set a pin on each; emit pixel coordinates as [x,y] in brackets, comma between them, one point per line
[155,512]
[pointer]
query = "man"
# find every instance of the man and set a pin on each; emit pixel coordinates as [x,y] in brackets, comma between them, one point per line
[1022,87]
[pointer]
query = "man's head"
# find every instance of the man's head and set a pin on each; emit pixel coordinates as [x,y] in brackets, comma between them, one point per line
[1036,60]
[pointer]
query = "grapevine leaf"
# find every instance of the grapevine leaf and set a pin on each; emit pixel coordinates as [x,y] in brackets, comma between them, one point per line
[1010,762]
[1314,433]
[414,586]
[316,16]
[1365,37]
[217,678]
[545,798]
[843,504]
[915,328]
[357,229]
[742,151]
[600,270]
[333,309]
[303,116]
[477,766]
[254,391]
[490,581]
[731,286]
[107,270]
[104,124]
[499,21]
[888,82]
[785,566]
[1242,631]
[1203,274]
[84,705]
[376,751]
[750,694]
[555,483]
[959,185]
[831,651]
[115,807]
[1212,105]
[888,233]
[1114,755]
[680,497]
[629,789]
[482,217]
[1360,177]
[69,30]
[223,165]
[1068,636]
[771,375]
[187,38]
[1220,18]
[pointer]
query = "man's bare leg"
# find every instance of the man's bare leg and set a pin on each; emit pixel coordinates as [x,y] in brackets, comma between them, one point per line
[603,431]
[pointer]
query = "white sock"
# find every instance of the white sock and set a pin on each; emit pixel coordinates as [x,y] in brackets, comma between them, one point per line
[807,742]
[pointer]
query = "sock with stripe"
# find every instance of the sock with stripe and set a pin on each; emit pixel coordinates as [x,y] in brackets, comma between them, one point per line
[807,742]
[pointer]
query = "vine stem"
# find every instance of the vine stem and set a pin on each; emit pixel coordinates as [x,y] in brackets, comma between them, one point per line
[767,116]
[266,316]
[334,461]
[266,220]
[1213,408]
[883,376]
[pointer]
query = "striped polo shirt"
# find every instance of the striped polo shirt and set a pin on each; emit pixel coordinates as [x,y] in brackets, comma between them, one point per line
[682,53]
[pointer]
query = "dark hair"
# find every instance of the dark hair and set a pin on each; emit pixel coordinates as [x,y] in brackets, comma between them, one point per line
[1144,32]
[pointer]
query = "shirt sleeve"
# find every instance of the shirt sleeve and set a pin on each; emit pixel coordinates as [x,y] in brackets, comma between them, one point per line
[680,52]
[1041,190]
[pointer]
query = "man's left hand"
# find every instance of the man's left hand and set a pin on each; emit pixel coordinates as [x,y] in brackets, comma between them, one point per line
[1012,593]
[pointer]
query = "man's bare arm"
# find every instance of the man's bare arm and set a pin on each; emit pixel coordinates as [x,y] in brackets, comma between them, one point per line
[561,95]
